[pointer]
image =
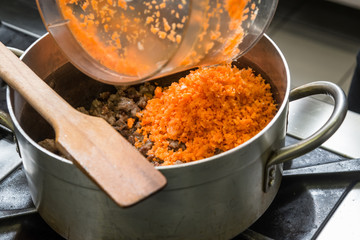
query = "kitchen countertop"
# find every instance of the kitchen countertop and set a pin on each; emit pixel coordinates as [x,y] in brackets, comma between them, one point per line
[308,114]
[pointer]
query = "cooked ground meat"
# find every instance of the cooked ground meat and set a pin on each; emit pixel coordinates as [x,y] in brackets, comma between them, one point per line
[146,147]
[176,145]
[50,145]
[119,109]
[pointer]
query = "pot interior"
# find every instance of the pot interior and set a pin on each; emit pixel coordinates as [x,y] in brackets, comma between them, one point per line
[79,90]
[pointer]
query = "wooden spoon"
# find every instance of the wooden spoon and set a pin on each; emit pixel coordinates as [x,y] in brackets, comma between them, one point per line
[93,145]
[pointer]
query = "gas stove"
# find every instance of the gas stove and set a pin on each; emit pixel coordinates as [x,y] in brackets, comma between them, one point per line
[317,199]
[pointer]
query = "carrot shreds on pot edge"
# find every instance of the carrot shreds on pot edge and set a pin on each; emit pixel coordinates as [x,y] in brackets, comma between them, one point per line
[210,110]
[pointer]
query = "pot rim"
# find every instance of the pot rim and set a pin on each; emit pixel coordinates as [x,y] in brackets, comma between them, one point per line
[168,167]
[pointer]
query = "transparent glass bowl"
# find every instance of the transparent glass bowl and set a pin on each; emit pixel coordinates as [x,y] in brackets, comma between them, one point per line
[124,42]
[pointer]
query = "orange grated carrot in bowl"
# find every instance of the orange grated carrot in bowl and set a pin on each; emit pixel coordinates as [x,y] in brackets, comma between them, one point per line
[210,110]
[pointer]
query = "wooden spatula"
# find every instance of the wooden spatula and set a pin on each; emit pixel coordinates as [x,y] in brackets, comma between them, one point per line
[93,145]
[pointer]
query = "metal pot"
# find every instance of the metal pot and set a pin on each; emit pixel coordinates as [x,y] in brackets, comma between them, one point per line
[214,198]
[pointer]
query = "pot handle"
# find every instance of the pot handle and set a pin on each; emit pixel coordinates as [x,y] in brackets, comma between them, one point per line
[16,51]
[320,136]
[5,122]
[325,132]
[5,119]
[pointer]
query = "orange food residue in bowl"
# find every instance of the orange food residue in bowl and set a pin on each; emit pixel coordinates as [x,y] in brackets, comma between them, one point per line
[85,28]
[118,33]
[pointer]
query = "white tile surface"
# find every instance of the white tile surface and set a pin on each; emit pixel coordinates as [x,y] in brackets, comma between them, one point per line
[314,55]
[351,3]
[344,223]
[307,115]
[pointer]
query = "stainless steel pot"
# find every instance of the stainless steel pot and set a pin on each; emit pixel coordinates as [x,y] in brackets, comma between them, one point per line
[214,198]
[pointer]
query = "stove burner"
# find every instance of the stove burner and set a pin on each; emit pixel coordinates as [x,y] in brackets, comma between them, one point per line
[18,217]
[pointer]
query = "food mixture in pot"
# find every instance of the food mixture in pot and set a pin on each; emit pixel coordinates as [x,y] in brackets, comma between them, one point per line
[209,111]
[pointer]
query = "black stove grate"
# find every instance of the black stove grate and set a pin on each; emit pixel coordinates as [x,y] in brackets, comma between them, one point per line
[13,38]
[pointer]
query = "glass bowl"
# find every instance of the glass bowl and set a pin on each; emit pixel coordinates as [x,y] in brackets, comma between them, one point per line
[124,42]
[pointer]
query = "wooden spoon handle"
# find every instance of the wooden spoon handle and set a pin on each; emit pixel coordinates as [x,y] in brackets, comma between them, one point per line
[36,92]
[93,145]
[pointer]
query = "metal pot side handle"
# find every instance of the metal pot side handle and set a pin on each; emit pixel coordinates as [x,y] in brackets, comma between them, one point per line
[16,51]
[6,122]
[325,132]
[5,119]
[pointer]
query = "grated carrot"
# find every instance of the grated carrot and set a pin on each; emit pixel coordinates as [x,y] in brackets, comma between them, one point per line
[130,122]
[211,109]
